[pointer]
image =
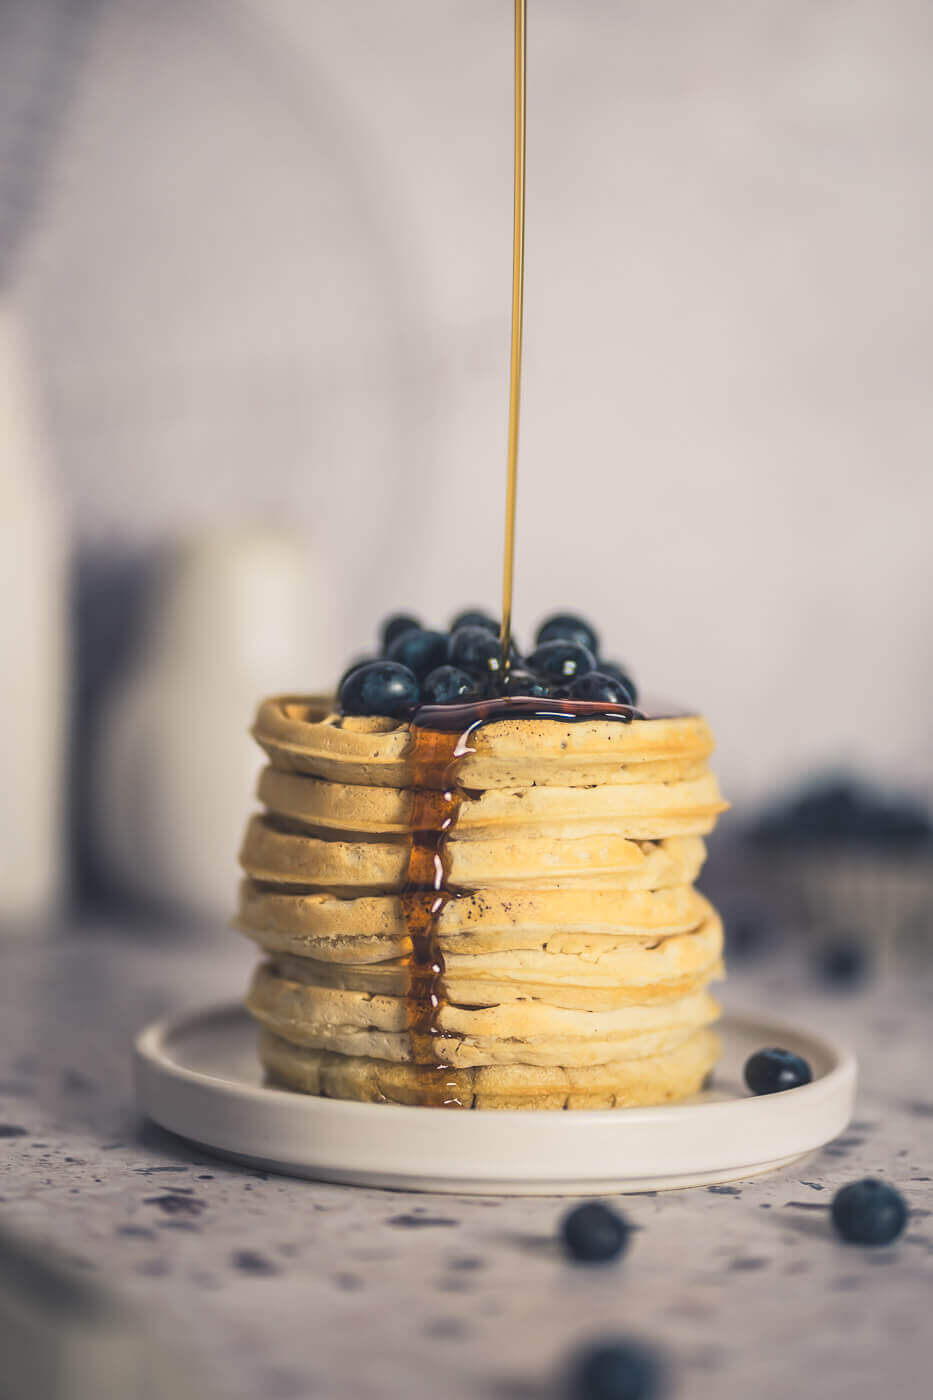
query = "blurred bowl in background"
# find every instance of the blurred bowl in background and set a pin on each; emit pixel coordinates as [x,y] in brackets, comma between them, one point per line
[239,614]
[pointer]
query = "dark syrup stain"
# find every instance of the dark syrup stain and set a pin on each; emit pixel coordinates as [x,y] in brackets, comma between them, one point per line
[418,1222]
[804,1205]
[814,1185]
[74,1082]
[136,1232]
[12,1130]
[250,1261]
[445,1329]
[176,1204]
[724,1190]
[155,1171]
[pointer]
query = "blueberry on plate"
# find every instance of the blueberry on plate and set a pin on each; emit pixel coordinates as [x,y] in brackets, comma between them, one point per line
[395,626]
[420,650]
[565,627]
[612,668]
[448,685]
[594,1233]
[562,660]
[475,649]
[518,682]
[381,688]
[773,1070]
[475,617]
[617,1369]
[598,686]
[869,1212]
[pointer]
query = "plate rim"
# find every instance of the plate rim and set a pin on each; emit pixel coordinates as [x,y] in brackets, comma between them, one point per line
[151,1049]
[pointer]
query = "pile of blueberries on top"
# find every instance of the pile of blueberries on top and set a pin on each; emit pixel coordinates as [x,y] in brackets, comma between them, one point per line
[419,666]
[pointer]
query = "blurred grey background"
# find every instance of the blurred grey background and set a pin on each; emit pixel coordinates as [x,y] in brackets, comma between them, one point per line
[267,281]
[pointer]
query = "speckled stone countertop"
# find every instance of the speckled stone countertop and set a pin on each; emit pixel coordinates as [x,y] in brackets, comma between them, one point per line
[287,1289]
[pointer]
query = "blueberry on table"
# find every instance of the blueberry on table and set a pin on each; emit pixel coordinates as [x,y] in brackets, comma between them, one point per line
[419,649]
[475,618]
[773,1070]
[381,688]
[869,1212]
[617,1370]
[594,1233]
[562,660]
[448,685]
[395,626]
[598,686]
[475,649]
[612,668]
[565,627]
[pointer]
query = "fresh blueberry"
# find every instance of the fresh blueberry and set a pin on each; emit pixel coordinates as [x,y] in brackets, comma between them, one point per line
[596,685]
[475,618]
[771,1071]
[394,627]
[620,1369]
[354,666]
[519,682]
[869,1212]
[612,668]
[420,650]
[562,660]
[565,627]
[448,685]
[594,1233]
[843,962]
[475,649]
[381,688]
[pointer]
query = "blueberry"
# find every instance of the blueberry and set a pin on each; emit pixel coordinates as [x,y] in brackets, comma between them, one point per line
[594,1233]
[394,627]
[596,685]
[519,682]
[771,1071]
[381,688]
[565,627]
[475,618]
[843,962]
[475,649]
[420,650]
[869,1212]
[612,668]
[354,666]
[448,685]
[620,1369]
[562,660]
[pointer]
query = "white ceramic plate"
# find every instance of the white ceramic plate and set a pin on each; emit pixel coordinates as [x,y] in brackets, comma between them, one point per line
[198,1076]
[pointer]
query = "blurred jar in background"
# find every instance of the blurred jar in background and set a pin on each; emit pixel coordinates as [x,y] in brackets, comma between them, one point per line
[239,614]
[32,649]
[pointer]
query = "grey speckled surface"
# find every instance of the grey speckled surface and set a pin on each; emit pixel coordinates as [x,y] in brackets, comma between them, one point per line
[291,1289]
